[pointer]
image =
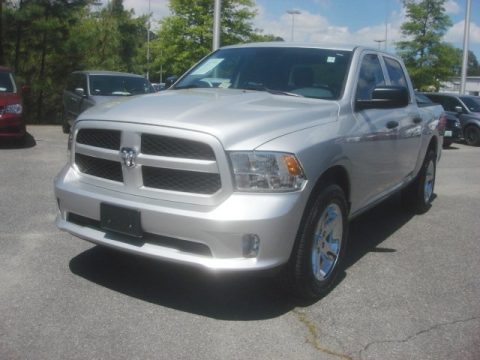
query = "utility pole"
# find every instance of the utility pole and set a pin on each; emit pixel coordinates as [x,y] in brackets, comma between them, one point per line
[466,36]
[216,24]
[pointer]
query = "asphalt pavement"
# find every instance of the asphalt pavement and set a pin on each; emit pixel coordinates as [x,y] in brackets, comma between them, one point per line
[411,289]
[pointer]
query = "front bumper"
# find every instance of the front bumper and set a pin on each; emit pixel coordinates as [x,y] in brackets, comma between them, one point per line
[12,127]
[168,226]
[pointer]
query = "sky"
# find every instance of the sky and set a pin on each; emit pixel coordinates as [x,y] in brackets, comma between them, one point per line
[358,22]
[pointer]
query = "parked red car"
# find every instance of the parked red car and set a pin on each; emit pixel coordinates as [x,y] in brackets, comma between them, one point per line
[12,125]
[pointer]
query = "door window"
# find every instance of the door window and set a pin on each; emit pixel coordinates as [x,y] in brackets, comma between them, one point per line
[395,72]
[371,76]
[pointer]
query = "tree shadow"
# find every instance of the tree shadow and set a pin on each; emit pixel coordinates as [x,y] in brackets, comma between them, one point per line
[225,296]
[28,142]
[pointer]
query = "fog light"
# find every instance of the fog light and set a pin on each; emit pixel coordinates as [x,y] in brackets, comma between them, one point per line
[250,245]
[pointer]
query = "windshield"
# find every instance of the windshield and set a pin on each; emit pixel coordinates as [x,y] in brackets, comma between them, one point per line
[314,73]
[114,85]
[472,103]
[6,82]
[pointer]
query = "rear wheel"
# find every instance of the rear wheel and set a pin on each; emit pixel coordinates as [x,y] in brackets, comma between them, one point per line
[319,251]
[418,196]
[472,135]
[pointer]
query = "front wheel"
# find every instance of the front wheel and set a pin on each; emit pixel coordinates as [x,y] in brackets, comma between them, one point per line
[472,135]
[447,143]
[65,124]
[417,197]
[319,250]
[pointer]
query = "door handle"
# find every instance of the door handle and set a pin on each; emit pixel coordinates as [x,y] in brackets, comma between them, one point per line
[417,120]
[392,124]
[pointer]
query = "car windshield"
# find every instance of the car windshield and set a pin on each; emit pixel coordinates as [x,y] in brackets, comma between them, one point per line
[6,82]
[114,85]
[308,72]
[472,103]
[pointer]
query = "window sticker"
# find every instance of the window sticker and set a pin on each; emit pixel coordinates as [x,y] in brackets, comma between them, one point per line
[331,59]
[209,65]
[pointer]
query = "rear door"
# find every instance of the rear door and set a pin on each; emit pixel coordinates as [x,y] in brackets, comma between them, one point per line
[410,122]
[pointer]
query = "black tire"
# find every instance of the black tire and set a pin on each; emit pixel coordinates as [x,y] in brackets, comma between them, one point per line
[472,135]
[447,143]
[303,280]
[417,197]
[65,125]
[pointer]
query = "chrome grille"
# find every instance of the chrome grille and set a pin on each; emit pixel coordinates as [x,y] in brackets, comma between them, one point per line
[185,165]
[179,180]
[106,139]
[174,147]
[101,168]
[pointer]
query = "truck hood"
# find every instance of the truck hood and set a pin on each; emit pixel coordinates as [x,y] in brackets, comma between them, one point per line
[240,119]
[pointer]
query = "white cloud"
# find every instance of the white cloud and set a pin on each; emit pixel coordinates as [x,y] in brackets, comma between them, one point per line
[455,33]
[159,8]
[452,7]
[311,27]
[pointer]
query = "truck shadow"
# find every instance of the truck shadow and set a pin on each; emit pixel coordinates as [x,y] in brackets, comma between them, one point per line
[226,297]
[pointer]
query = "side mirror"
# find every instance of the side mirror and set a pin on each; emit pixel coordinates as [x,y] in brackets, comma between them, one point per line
[170,81]
[459,109]
[80,91]
[385,97]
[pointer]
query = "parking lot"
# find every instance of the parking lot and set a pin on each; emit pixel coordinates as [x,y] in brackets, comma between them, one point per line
[411,289]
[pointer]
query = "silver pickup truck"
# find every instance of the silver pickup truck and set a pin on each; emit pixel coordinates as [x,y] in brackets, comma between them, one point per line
[255,159]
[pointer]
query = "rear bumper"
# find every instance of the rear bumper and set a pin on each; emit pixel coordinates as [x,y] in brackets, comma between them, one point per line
[174,231]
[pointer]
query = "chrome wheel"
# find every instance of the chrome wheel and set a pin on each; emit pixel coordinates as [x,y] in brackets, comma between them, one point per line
[327,242]
[429,182]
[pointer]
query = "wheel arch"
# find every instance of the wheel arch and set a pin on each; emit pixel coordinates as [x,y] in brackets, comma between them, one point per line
[337,175]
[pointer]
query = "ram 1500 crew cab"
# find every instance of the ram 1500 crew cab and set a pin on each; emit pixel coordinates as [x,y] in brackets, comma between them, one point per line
[256,158]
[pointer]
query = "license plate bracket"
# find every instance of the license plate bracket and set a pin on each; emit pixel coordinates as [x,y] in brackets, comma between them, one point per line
[120,220]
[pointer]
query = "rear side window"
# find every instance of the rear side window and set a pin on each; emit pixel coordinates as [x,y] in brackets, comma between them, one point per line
[371,76]
[395,72]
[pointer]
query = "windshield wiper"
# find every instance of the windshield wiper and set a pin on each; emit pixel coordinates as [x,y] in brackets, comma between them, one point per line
[261,87]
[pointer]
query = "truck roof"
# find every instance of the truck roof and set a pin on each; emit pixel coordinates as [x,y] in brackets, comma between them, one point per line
[342,47]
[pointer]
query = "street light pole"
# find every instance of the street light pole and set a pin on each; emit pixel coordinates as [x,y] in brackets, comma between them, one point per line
[293,12]
[148,42]
[216,24]
[379,42]
[466,35]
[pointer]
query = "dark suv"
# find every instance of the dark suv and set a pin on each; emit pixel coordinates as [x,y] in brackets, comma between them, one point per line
[89,88]
[466,108]
[12,125]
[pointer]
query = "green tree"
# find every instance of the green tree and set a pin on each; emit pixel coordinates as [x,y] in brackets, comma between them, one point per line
[428,59]
[186,36]
[45,40]
[35,34]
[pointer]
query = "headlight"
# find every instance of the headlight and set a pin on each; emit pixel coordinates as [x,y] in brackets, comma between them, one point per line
[266,171]
[13,109]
